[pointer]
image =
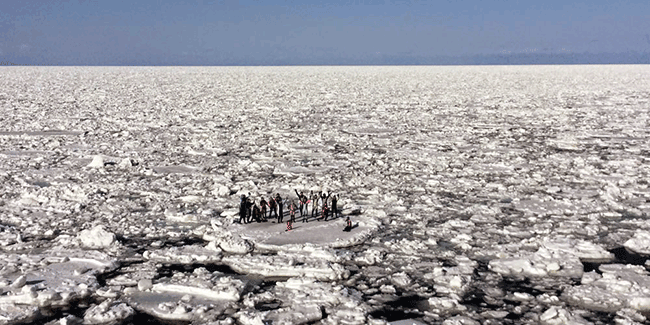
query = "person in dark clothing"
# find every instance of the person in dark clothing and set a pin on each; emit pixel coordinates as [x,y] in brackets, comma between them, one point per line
[242,208]
[348,224]
[326,212]
[249,208]
[314,203]
[320,203]
[278,200]
[324,198]
[302,202]
[335,200]
[272,207]
[256,213]
[263,206]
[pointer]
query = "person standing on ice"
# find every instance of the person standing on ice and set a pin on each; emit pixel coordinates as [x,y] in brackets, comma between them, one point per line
[292,212]
[242,208]
[305,217]
[247,207]
[263,206]
[251,214]
[335,200]
[314,203]
[256,213]
[303,201]
[278,200]
[324,199]
[319,199]
[272,207]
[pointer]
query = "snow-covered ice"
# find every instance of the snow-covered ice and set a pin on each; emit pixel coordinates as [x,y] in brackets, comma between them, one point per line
[478,195]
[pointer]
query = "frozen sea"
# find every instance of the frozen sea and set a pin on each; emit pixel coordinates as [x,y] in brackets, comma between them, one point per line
[480,194]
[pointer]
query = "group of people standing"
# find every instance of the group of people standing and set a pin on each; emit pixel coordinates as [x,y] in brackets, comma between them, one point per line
[250,211]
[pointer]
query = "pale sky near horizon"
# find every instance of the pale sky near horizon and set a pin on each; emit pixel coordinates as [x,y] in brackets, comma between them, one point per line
[242,32]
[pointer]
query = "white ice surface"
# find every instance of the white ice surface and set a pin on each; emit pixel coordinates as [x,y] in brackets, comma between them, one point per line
[467,183]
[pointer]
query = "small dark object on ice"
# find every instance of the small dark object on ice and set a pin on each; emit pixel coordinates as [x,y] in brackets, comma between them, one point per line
[348,225]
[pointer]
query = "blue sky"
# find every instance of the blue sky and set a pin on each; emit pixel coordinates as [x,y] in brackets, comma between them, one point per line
[312,32]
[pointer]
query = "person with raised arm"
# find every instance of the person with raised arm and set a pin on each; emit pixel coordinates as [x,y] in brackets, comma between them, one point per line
[305,217]
[314,203]
[302,199]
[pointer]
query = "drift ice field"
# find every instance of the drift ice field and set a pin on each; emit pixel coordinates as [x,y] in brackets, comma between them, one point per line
[482,195]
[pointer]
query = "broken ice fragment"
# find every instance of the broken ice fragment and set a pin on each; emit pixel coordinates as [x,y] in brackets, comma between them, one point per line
[98,162]
[97,237]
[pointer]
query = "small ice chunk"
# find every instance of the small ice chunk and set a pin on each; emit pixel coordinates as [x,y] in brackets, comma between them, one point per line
[552,267]
[456,282]
[460,320]
[401,279]
[98,162]
[640,303]
[125,163]
[190,198]
[640,243]
[235,245]
[226,291]
[387,288]
[629,316]
[305,314]
[145,284]
[249,317]
[559,316]
[409,321]
[589,277]
[496,314]
[70,320]
[108,311]
[445,305]
[522,296]
[97,237]
[19,282]
[221,190]
[550,313]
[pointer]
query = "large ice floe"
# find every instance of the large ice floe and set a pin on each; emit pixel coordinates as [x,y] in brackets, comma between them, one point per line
[554,257]
[476,195]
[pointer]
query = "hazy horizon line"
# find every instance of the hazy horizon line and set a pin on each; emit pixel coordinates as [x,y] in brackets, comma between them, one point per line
[497,59]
